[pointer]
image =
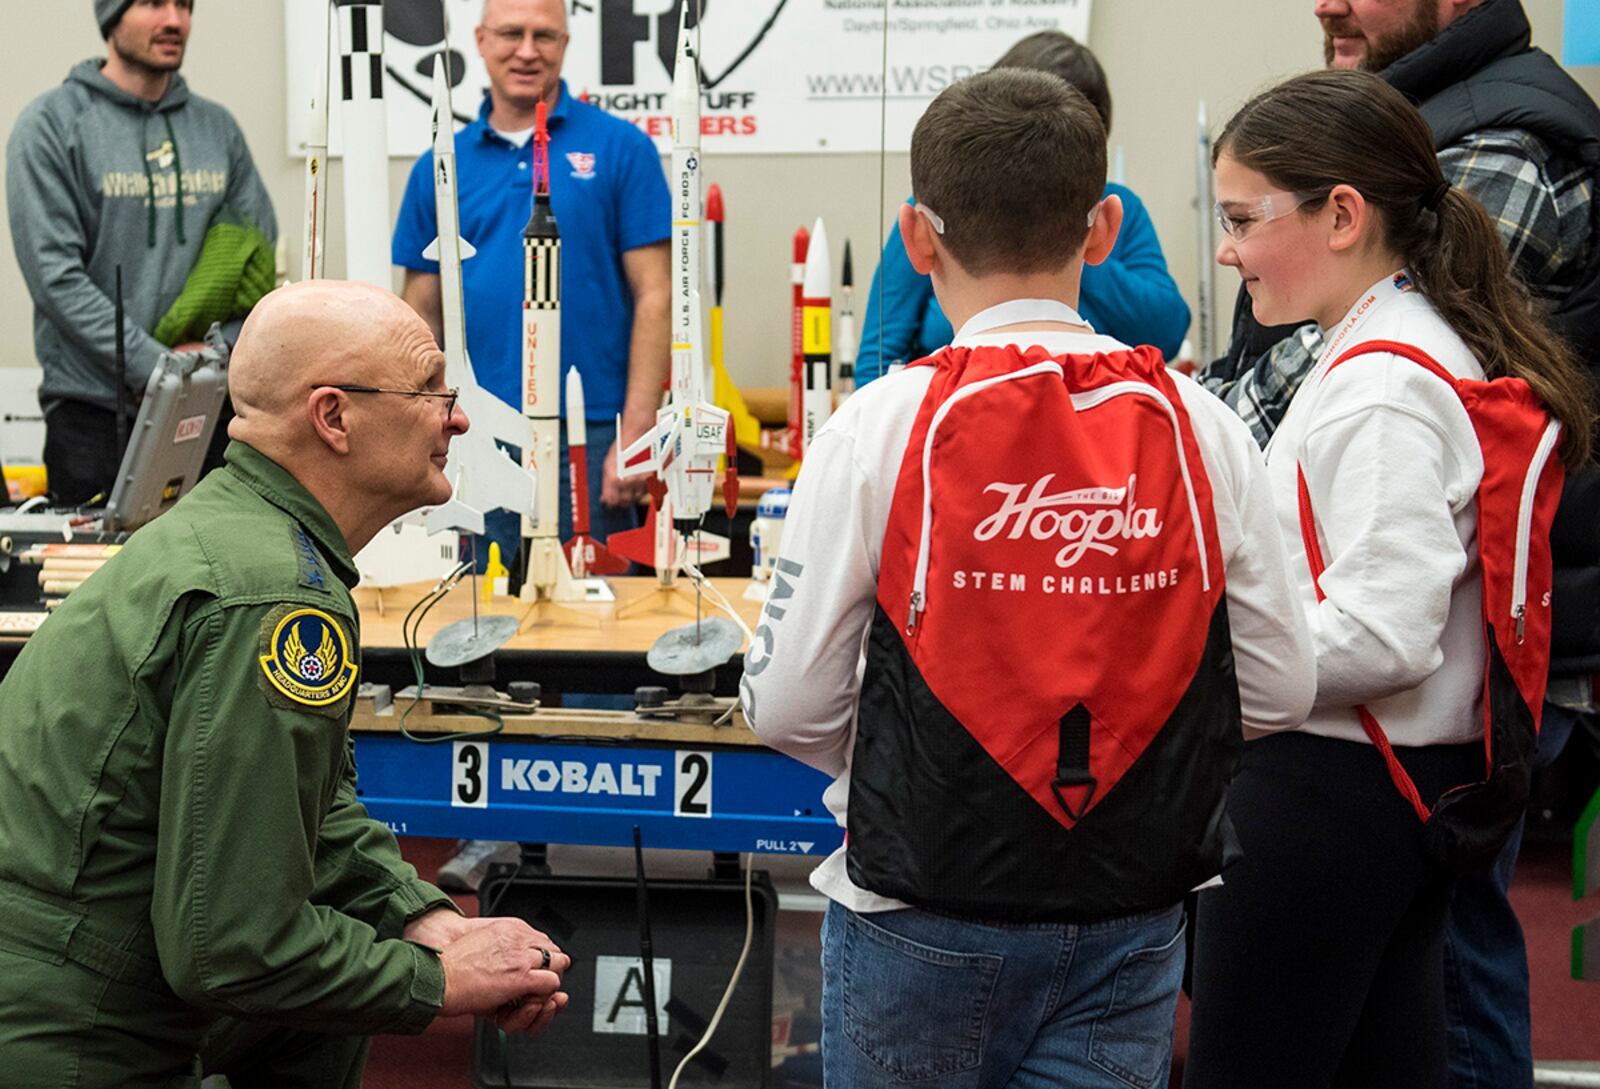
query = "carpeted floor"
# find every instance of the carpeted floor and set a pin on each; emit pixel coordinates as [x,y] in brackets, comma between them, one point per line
[1566,1013]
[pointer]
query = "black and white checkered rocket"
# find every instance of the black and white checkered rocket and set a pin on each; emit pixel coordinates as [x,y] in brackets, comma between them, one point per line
[366,142]
[541,376]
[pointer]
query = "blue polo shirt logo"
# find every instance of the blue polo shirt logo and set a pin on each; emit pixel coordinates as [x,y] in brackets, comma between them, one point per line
[582,164]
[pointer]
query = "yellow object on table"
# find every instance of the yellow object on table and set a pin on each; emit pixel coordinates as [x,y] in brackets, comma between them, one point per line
[24,481]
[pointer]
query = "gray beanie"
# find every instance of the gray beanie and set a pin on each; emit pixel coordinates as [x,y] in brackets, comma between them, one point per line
[107,13]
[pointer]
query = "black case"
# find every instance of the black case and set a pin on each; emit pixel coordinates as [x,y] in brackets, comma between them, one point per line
[696,925]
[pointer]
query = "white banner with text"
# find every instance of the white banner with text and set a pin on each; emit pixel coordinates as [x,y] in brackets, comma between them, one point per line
[779,75]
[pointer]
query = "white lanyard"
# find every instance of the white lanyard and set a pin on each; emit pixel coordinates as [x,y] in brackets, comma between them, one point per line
[1399,283]
[1018,312]
[1375,296]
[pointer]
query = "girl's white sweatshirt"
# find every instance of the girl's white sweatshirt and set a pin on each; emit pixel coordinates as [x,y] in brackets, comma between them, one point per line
[1392,464]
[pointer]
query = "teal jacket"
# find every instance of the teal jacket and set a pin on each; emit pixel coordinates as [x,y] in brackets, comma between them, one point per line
[178,809]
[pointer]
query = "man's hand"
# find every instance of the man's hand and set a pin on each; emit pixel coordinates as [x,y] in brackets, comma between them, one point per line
[497,968]
[439,927]
[532,1014]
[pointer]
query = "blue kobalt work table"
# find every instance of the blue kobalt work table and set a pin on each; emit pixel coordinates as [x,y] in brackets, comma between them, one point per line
[588,777]
[579,776]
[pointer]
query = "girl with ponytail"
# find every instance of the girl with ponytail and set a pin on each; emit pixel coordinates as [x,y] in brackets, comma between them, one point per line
[1319,962]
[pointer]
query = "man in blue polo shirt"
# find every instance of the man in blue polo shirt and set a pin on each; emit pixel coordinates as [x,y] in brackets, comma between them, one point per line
[611,201]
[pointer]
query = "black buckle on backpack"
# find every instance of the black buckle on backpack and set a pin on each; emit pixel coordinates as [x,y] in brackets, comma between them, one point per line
[1072,763]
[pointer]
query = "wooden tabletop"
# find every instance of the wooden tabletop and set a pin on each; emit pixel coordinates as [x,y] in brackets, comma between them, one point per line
[556,723]
[648,614]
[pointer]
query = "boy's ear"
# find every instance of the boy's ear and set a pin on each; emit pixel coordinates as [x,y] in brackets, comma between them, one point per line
[1103,235]
[917,234]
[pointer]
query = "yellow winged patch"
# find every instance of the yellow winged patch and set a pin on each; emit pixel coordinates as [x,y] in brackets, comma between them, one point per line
[313,677]
[293,649]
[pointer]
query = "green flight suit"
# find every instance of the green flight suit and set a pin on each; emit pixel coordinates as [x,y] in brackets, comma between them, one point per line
[187,880]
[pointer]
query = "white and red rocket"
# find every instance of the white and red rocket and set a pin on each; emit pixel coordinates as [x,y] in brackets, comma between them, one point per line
[585,555]
[691,434]
[547,577]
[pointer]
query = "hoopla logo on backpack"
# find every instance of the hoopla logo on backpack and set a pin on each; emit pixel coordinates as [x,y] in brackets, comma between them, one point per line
[1084,518]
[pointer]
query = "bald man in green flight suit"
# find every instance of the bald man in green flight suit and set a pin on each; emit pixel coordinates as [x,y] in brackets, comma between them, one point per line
[188,884]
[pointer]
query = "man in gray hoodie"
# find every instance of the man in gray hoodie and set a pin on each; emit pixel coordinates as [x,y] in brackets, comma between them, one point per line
[121,167]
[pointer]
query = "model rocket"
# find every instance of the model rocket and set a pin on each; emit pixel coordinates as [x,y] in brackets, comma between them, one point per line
[482,475]
[816,339]
[585,555]
[787,438]
[1206,289]
[366,143]
[747,429]
[690,434]
[541,379]
[845,385]
[312,246]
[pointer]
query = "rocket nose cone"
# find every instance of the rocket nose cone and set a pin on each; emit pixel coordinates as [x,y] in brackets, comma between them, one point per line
[818,280]
[714,210]
[442,121]
[575,405]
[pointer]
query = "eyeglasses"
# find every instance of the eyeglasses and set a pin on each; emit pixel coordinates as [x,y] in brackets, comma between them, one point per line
[508,38]
[1238,218]
[449,396]
[936,221]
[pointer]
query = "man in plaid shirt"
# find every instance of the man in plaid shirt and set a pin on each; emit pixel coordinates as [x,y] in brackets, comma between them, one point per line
[1515,131]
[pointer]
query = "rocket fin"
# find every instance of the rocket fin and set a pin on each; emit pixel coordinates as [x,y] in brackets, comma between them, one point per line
[431,253]
[643,454]
[490,415]
[638,545]
[597,558]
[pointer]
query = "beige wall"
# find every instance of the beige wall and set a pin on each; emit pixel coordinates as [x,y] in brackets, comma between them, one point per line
[1162,55]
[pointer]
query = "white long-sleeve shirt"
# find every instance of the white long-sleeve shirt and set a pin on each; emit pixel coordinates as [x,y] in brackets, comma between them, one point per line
[1392,463]
[803,674]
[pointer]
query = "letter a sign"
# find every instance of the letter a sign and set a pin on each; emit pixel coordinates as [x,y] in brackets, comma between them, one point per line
[619,994]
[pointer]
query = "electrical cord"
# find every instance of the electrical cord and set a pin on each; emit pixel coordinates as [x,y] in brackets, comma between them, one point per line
[688,568]
[410,630]
[738,969]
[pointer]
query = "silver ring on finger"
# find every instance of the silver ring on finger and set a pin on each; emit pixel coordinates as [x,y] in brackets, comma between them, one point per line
[544,958]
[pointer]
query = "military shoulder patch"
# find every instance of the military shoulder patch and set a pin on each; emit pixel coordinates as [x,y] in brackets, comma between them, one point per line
[306,657]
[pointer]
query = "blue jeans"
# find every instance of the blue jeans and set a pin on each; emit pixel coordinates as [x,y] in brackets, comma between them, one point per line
[505,529]
[915,998]
[1486,962]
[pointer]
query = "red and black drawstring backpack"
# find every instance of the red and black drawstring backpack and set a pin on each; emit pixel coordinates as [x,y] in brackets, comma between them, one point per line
[1049,716]
[1467,826]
